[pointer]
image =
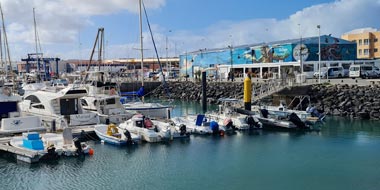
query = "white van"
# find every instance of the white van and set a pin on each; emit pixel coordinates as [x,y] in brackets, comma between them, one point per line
[330,72]
[364,71]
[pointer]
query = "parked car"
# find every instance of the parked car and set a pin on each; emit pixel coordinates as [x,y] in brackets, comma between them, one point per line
[330,72]
[364,71]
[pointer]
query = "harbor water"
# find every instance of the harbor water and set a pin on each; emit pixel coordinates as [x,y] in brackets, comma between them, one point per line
[343,155]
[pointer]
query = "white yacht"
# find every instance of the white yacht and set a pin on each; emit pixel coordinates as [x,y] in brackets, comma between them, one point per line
[59,109]
[152,110]
[103,98]
[108,107]
[10,116]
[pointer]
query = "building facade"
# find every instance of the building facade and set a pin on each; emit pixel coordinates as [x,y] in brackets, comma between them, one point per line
[275,57]
[367,40]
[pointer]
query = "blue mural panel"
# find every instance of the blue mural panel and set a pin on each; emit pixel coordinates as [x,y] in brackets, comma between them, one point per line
[290,51]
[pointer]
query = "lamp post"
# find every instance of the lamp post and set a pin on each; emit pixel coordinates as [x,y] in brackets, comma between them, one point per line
[186,67]
[319,53]
[232,64]
[168,67]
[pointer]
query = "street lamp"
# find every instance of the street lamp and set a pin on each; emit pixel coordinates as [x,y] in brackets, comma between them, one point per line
[186,67]
[232,64]
[319,53]
[167,56]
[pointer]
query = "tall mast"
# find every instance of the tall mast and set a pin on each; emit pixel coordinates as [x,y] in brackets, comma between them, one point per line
[141,49]
[5,41]
[36,42]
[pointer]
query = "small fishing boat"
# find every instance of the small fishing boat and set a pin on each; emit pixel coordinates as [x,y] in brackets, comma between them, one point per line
[112,135]
[175,132]
[50,146]
[195,124]
[141,125]
[272,121]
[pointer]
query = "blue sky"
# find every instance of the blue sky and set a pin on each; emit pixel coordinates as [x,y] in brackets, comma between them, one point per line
[67,28]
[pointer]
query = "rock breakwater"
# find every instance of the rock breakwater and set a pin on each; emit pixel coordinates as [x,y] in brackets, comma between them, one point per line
[347,100]
[339,100]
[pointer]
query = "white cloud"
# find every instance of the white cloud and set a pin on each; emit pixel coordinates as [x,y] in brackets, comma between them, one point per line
[335,18]
[59,22]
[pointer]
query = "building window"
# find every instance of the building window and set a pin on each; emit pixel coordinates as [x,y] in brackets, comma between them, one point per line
[366,41]
[375,50]
[375,40]
[360,42]
[360,52]
[366,51]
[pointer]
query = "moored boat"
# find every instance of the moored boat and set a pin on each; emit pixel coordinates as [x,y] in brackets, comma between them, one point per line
[112,135]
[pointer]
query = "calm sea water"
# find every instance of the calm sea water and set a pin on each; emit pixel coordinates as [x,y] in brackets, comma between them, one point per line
[343,155]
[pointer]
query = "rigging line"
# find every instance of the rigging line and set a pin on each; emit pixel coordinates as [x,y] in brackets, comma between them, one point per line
[155,49]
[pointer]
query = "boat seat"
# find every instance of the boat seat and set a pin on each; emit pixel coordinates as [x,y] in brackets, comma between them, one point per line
[199,120]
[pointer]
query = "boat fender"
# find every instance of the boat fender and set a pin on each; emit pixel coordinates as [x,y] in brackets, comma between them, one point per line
[228,123]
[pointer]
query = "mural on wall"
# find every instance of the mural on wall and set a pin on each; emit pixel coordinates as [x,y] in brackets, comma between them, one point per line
[331,49]
[269,54]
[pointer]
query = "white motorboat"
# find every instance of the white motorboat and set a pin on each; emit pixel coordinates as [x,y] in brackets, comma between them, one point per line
[143,126]
[112,135]
[50,145]
[310,115]
[228,117]
[11,120]
[196,124]
[175,132]
[59,109]
[272,121]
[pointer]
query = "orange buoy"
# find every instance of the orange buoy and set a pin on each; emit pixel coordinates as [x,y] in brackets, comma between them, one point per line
[91,151]
[221,133]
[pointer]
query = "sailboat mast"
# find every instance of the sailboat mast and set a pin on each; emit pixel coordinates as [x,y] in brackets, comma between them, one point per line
[6,43]
[141,49]
[35,40]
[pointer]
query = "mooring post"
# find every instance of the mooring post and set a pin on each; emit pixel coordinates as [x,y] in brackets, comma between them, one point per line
[204,88]
[247,92]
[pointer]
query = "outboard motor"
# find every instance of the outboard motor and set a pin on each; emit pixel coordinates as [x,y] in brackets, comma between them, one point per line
[129,137]
[182,129]
[297,121]
[251,122]
[264,113]
[51,154]
[78,145]
[214,127]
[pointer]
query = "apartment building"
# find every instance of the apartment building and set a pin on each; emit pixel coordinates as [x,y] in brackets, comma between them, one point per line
[367,40]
